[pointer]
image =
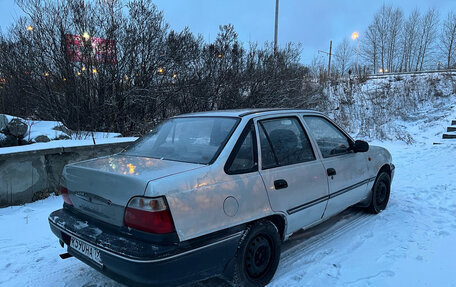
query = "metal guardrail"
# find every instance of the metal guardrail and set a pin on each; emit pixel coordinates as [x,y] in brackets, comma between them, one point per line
[386,75]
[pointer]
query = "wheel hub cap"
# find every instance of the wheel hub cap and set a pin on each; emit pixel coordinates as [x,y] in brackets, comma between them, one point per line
[258,256]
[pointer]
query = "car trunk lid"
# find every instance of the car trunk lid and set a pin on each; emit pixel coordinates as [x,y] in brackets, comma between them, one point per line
[102,187]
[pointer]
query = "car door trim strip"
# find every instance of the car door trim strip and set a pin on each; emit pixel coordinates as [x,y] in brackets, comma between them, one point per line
[308,204]
[351,187]
[326,197]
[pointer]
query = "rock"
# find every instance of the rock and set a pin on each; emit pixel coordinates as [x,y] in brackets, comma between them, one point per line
[3,122]
[7,140]
[42,139]
[63,129]
[17,127]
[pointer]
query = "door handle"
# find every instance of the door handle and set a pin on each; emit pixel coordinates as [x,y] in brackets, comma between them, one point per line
[280,183]
[331,171]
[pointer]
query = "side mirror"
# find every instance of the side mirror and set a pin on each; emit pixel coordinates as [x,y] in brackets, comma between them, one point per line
[361,146]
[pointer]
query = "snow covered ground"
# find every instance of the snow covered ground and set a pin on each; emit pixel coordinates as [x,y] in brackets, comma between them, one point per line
[411,243]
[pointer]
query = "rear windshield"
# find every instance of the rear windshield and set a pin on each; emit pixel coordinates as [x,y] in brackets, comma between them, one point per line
[192,139]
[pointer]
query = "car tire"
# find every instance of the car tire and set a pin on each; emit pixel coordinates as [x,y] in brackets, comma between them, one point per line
[258,255]
[380,193]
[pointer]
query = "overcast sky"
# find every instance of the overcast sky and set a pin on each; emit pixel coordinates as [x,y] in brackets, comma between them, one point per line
[312,23]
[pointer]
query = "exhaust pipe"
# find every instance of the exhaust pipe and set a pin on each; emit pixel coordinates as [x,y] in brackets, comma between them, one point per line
[65,255]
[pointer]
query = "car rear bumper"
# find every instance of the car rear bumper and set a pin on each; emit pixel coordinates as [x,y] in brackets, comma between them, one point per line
[141,263]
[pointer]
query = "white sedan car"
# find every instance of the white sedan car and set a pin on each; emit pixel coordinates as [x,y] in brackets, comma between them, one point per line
[215,194]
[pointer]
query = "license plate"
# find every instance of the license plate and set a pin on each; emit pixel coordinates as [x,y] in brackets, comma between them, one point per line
[87,250]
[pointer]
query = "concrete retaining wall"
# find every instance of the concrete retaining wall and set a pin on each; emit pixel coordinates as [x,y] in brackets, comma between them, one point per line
[31,175]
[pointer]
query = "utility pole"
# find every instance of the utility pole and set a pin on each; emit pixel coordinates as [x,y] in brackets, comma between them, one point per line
[355,36]
[276,29]
[329,63]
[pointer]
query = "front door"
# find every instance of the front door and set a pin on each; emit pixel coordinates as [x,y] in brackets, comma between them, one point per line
[295,180]
[346,170]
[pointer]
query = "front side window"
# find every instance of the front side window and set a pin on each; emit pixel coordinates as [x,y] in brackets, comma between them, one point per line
[192,139]
[283,142]
[330,140]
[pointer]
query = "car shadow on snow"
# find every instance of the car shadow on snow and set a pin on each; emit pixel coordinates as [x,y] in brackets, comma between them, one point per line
[306,242]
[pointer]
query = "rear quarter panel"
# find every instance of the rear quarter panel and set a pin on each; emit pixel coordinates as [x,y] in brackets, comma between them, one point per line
[207,200]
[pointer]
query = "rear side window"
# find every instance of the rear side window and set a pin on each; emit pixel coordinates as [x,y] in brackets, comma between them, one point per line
[243,158]
[331,141]
[283,142]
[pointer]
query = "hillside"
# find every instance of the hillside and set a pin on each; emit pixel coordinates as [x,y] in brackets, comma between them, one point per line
[407,108]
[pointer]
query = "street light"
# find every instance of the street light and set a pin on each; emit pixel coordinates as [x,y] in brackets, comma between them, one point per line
[29,28]
[355,36]
[86,36]
[276,26]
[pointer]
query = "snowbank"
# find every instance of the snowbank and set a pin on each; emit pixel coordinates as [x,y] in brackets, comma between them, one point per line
[63,144]
[51,129]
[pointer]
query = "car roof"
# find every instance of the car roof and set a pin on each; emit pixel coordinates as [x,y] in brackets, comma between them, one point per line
[247,112]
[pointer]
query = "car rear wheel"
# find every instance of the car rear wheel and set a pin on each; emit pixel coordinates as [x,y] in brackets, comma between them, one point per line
[258,255]
[380,193]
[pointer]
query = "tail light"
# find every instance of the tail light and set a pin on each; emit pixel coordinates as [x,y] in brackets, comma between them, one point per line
[65,195]
[149,215]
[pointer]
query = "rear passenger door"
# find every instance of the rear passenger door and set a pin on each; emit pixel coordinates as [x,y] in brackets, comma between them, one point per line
[294,179]
[346,170]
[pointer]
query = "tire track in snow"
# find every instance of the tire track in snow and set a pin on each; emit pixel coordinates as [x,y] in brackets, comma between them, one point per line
[306,243]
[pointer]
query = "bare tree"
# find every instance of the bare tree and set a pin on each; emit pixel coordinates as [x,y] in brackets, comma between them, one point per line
[448,39]
[381,27]
[427,31]
[343,56]
[395,24]
[154,73]
[409,39]
[381,38]
[369,47]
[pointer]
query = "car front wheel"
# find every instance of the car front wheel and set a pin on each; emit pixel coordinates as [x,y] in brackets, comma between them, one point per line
[258,255]
[380,193]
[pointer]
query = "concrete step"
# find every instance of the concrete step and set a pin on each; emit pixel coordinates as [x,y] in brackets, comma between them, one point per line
[451,135]
[445,142]
[451,129]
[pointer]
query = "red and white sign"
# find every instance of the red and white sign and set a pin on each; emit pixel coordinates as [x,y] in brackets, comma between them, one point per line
[97,50]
